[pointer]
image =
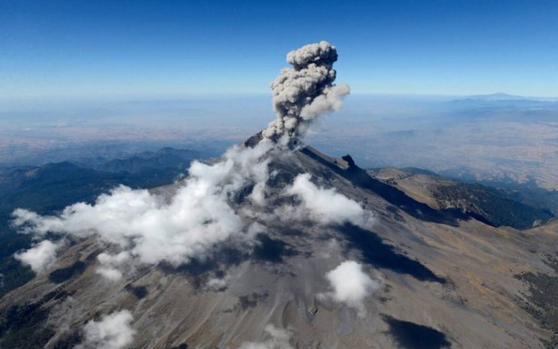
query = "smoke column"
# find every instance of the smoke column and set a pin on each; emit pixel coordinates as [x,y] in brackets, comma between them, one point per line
[305,91]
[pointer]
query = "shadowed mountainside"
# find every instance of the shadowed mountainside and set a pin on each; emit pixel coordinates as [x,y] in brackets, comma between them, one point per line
[486,204]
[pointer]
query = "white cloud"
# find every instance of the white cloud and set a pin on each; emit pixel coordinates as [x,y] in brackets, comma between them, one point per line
[110,264]
[150,229]
[324,205]
[109,273]
[350,285]
[113,331]
[144,228]
[278,339]
[39,257]
[217,284]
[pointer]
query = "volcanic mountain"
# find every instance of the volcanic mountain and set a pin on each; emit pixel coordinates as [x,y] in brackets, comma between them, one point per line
[276,245]
[444,280]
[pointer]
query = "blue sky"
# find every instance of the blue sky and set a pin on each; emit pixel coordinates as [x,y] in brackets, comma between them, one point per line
[180,48]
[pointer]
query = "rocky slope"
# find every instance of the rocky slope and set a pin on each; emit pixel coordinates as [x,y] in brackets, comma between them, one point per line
[489,205]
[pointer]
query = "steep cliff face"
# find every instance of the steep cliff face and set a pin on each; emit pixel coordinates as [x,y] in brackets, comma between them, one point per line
[434,279]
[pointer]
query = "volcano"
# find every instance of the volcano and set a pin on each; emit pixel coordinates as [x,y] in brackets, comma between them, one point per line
[277,245]
[445,280]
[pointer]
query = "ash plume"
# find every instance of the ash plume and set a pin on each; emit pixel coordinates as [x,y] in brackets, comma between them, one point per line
[305,91]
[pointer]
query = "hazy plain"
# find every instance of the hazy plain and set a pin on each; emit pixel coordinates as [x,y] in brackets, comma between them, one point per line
[489,138]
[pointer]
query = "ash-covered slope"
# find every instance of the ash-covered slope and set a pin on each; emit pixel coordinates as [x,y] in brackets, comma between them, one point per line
[440,281]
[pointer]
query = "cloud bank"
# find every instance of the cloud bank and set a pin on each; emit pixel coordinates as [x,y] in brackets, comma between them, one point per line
[351,285]
[113,331]
[149,229]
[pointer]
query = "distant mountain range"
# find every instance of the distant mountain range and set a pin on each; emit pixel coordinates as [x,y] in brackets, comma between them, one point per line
[504,100]
[499,96]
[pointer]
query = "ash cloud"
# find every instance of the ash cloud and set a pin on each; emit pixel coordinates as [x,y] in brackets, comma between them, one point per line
[305,91]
